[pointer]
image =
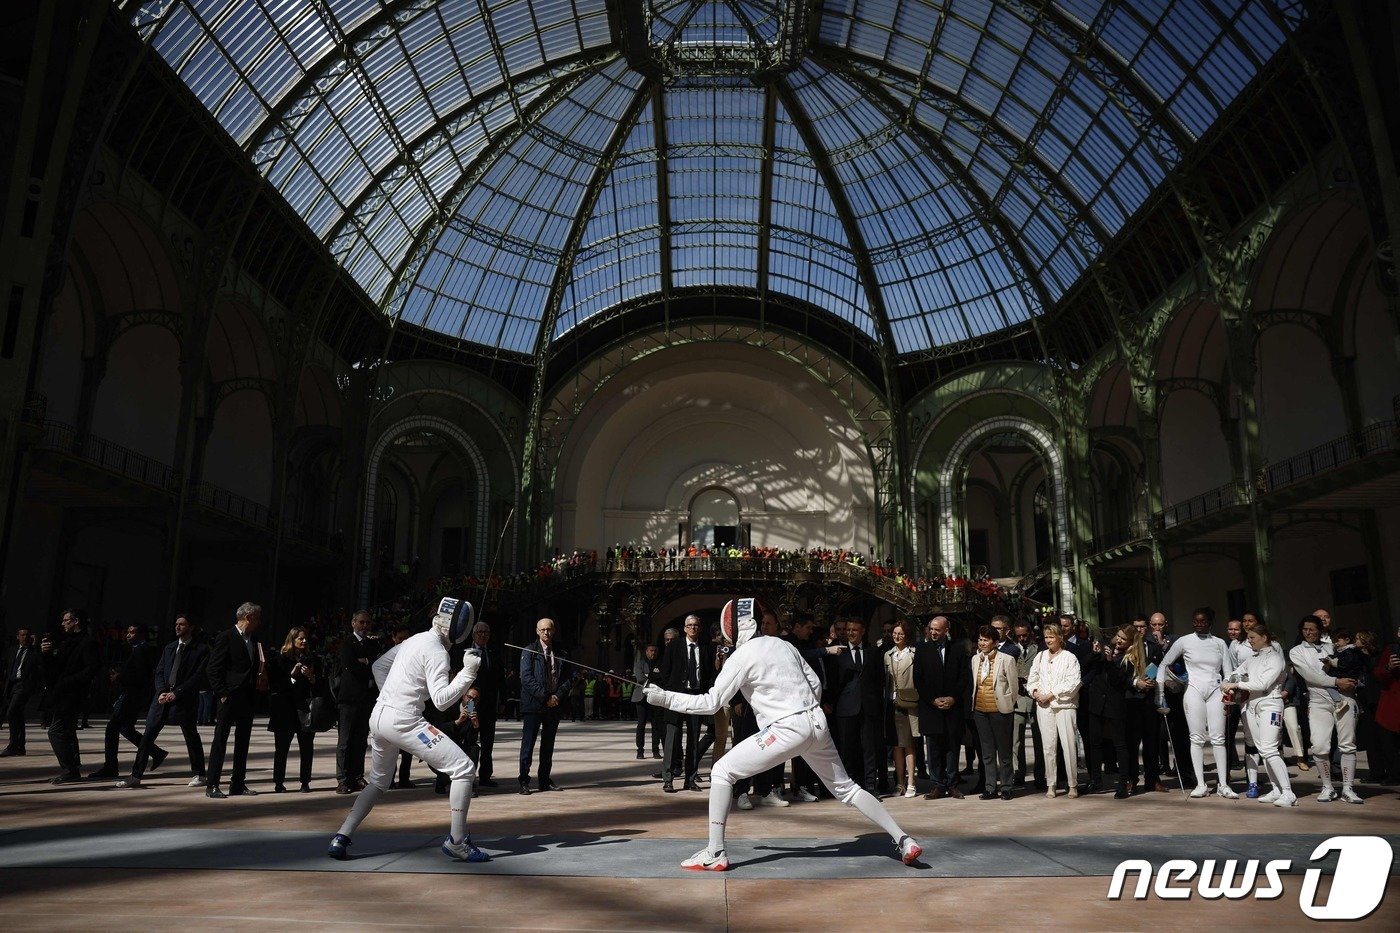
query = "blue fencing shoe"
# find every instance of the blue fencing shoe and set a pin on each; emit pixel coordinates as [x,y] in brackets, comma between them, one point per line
[464,851]
[1253,791]
[340,847]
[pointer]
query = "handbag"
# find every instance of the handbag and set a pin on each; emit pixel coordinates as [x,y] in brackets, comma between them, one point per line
[318,715]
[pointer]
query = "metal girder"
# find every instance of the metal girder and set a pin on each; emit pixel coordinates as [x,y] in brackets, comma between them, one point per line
[663,183]
[374,194]
[397,292]
[1043,177]
[888,454]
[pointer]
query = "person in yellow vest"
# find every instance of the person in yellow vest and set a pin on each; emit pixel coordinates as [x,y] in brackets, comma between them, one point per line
[993,704]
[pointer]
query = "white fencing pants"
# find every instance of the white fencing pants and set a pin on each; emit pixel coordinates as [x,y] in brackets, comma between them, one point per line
[802,734]
[1205,718]
[1253,760]
[1263,720]
[1295,731]
[1059,732]
[1324,714]
[392,731]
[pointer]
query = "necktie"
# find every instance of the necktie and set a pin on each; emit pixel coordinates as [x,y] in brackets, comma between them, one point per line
[175,668]
[19,662]
[859,659]
[692,675]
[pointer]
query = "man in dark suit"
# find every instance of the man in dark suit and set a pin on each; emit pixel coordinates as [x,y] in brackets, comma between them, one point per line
[179,677]
[485,693]
[1006,640]
[355,698]
[686,667]
[70,666]
[22,681]
[133,683]
[545,679]
[1103,712]
[854,688]
[236,674]
[941,671]
[1079,646]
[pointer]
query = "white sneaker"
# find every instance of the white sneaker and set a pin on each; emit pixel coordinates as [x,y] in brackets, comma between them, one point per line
[1200,791]
[1350,796]
[705,860]
[1271,796]
[774,798]
[1327,795]
[1286,800]
[1224,790]
[909,850]
[196,781]
[910,791]
[806,796]
[463,851]
[743,802]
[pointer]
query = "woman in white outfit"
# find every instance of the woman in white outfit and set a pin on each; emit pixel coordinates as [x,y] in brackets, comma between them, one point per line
[1054,686]
[785,695]
[1258,684]
[1330,706]
[1206,656]
[904,708]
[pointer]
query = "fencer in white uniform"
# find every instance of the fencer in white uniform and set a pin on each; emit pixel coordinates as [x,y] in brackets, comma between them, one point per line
[1237,654]
[1328,707]
[1206,656]
[418,675]
[785,695]
[1257,683]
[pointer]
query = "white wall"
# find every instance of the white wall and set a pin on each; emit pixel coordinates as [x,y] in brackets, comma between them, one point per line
[716,415]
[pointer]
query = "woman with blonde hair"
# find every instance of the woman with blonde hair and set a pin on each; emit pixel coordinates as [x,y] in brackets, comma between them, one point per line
[291,684]
[1132,673]
[902,726]
[1054,686]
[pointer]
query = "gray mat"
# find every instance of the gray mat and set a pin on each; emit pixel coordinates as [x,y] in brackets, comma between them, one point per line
[869,856]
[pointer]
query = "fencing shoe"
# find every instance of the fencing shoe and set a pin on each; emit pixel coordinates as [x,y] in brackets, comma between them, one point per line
[464,851]
[705,860]
[1226,791]
[909,850]
[340,847]
[1349,795]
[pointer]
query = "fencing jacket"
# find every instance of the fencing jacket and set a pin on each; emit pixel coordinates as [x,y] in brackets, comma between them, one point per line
[419,675]
[770,673]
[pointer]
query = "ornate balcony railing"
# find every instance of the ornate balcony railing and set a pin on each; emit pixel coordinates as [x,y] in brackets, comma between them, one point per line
[1377,438]
[64,438]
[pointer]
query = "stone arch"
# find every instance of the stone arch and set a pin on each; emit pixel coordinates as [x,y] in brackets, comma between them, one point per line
[956,462]
[473,453]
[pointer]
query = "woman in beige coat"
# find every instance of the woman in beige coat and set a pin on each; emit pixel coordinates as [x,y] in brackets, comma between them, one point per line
[903,724]
[993,702]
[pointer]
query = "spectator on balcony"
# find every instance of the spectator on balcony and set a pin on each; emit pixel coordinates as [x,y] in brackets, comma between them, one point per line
[291,688]
[71,664]
[22,681]
[133,679]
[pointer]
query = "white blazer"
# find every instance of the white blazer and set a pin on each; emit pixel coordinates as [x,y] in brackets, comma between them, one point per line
[1058,675]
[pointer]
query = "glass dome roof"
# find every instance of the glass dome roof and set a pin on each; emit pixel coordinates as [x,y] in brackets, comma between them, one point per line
[503,171]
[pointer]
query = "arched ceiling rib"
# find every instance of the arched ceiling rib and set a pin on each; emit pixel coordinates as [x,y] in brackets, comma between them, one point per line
[929,171]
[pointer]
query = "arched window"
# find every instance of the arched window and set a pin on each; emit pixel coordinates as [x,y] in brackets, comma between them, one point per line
[714,517]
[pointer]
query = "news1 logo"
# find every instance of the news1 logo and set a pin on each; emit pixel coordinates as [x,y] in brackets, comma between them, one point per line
[1363,868]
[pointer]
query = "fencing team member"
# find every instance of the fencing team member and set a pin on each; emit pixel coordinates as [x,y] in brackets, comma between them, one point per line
[1329,707]
[420,675]
[1206,656]
[1237,655]
[785,695]
[1257,684]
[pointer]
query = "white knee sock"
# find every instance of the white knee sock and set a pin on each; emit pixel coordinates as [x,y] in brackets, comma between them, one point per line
[1198,761]
[1324,770]
[461,797]
[1252,763]
[1222,771]
[363,804]
[875,812]
[1278,774]
[1348,768]
[721,797]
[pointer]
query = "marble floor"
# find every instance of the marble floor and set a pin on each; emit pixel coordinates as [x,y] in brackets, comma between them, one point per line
[603,854]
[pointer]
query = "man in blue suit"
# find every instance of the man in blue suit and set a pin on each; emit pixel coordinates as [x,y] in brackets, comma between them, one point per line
[545,678]
[178,679]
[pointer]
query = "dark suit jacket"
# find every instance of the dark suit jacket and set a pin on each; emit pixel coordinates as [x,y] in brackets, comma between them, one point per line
[69,670]
[190,679]
[31,678]
[947,678]
[232,670]
[1009,647]
[356,677]
[1101,688]
[674,661]
[534,677]
[852,692]
[134,676]
[488,683]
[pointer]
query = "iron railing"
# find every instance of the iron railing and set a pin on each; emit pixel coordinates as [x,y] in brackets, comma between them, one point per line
[1373,439]
[231,504]
[64,438]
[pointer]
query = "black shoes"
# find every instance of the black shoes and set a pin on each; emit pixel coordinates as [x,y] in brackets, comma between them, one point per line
[487,782]
[654,753]
[641,755]
[1122,792]
[279,789]
[67,777]
[524,789]
[669,787]
[549,785]
[242,791]
[1006,793]
[987,795]
[214,793]
[103,773]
